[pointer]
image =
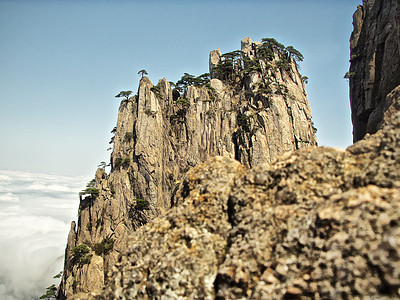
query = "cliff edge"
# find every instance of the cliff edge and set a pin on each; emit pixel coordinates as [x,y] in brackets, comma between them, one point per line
[375,63]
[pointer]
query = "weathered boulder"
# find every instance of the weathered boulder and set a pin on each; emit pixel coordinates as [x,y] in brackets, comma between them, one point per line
[319,223]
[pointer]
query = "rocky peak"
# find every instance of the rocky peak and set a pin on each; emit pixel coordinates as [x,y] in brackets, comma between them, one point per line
[252,108]
[215,58]
[182,215]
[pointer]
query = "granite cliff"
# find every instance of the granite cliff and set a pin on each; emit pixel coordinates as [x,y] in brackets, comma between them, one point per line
[375,63]
[252,107]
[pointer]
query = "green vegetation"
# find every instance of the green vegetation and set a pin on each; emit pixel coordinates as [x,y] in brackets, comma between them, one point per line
[183,102]
[81,255]
[187,79]
[263,89]
[297,56]
[313,127]
[348,75]
[50,292]
[119,161]
[140,212]
[181,87]
[141,204]
[243,122]
[281,89]
[252,65]
[230,66]
[74,285]
[103,165]
[89,226]
[129,136]
[178,117]
[354,57]
[99,222]
[90,190]
[235,64]
[156,90]
[150,112]
[124,94]
[104,247]
[283,63]
[268,48]
[142,73]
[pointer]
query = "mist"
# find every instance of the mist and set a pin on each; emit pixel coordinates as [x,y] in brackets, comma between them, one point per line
[36,211]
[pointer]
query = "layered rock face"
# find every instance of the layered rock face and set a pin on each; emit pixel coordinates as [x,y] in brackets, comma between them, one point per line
[375,63]
[252,112]
[319,223]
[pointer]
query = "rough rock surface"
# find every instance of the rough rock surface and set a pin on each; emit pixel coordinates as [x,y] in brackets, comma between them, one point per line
[375,63]
[160,135]
[319,223]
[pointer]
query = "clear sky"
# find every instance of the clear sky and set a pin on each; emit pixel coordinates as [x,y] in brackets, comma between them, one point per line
[63,61]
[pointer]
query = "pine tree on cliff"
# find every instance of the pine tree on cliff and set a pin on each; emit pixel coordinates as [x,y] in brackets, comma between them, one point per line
[125,94]
[142,73]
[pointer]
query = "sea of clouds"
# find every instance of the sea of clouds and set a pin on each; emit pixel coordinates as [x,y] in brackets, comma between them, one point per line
[36,211]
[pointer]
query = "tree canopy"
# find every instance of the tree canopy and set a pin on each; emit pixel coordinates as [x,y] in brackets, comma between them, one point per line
[143,72]
[188,79]
[124,94]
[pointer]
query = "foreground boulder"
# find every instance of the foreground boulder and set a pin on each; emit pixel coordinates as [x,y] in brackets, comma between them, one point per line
[319,223]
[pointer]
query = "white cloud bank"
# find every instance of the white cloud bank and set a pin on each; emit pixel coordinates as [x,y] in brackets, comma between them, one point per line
[35,215]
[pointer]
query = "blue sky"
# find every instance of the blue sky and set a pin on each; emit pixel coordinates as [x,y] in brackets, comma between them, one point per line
[62,62]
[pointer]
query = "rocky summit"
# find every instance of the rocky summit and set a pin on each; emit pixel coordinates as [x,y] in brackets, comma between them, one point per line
[218,191]
[251,107]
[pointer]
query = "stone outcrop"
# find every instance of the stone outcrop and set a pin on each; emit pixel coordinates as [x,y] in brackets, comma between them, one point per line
[252,112]
[375,63]
[319,223]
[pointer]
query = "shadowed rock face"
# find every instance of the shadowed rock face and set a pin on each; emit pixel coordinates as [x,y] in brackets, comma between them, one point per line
[319,223]
[375,63]
[253,117]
